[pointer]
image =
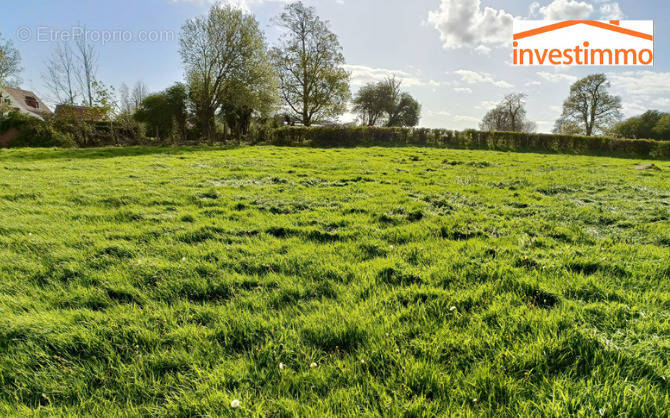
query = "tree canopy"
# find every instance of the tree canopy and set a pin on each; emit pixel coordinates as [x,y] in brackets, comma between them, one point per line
[590,106]
[650,125]
[509,116]
[226,64]
[313,83]
[384,104]
[10,62]
[165,113]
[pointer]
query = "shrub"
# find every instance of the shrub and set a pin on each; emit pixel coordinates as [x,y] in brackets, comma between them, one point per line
[33,132]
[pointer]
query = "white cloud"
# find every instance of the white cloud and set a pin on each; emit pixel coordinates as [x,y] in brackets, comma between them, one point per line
[442,113]
[464,22]
[534,83]
[463,118]
[463,89]
[487,104]
[611,11]
[361,75]
[533,8]
[631,109]
[473,77]
[641,83]
[483,49]
[555,78]
[566,9]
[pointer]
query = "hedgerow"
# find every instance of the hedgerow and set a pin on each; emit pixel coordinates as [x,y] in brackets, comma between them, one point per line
[469,139]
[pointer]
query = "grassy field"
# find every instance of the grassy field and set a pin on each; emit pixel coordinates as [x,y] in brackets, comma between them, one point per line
[372,281]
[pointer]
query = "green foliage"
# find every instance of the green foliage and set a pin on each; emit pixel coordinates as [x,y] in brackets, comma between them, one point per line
[503,141]
[509,116]
[590,107]
[33,132]
[227,67]
[10,62]
[384,104]
[651,124]
[165,113]
[309,63]
[169,281]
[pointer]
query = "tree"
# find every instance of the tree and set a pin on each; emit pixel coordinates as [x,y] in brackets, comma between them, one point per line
[87,56]
[662,129]
[509,115]
[642,126]
[139,93]
[369,104]
[10,63]
[383,103]
[165,112]
[225,58]
[61,74]
[126,104]
[406,112]
[590,106]
[130,101]
[313,83]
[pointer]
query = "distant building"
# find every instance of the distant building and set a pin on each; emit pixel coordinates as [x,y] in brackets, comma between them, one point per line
[23,101]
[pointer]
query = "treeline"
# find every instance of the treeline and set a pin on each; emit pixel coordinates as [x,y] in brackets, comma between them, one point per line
[590,109]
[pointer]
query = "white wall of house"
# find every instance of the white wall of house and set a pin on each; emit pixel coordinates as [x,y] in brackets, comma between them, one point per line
[9,103]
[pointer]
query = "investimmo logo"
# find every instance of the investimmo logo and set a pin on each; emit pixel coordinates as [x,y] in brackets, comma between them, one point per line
[583,42]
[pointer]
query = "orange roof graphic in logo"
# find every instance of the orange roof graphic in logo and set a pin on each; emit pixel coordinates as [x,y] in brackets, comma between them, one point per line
[613,26]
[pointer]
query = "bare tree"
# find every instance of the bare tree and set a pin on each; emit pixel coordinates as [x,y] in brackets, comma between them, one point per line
[126,105]
[88,61]
[139,93]
[61,74]
[590,106]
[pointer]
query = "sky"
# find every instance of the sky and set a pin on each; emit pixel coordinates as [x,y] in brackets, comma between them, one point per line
[438,48]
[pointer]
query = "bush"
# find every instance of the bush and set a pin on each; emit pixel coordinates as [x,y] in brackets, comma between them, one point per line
[343,136]
[33,132]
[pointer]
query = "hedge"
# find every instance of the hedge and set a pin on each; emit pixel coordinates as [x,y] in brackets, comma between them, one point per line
[33,132]
[470,139]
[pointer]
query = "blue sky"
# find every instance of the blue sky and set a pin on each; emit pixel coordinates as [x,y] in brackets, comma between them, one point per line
[434,46]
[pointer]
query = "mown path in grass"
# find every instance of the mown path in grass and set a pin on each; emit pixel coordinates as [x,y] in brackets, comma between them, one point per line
[158,281]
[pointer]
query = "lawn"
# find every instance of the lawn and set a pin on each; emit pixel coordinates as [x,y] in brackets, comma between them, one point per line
[369,281]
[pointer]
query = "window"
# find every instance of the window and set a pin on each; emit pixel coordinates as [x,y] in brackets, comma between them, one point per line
[32,102]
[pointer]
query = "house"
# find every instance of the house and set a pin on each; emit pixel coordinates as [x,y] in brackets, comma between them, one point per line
[23,101]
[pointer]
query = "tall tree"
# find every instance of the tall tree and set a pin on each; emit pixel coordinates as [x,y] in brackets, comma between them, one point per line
[590,106]
[309,60]
[61,74]
[87,56]
[509,115]
[221,52]
[10,62]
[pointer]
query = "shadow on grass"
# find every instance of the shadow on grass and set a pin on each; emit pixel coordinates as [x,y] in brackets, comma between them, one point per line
[39,154]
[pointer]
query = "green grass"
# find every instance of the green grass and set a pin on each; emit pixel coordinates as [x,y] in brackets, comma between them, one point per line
[158,281]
